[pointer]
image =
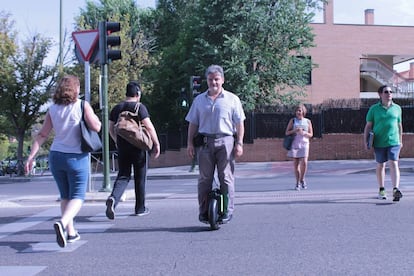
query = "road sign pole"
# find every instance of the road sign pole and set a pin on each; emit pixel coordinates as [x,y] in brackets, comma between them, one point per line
[87,82]
[105,130]
[85,48]
[88,99]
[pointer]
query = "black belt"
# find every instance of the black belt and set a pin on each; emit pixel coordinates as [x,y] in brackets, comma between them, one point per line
[215,136]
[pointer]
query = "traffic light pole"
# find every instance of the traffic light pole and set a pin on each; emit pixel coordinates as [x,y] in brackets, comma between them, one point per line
[106,54]
[106,187]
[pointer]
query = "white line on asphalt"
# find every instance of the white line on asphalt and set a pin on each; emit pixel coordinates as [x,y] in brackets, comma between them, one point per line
[21,270]
[102,216]
[20,225]
[53,247]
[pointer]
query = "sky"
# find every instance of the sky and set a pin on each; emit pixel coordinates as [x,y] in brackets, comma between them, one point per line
[42,16]
[386,12]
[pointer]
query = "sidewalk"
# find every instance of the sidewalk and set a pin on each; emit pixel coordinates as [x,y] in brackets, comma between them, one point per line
[250,170]
[274,169]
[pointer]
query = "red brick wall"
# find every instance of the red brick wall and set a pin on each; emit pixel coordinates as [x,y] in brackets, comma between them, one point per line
[330,147]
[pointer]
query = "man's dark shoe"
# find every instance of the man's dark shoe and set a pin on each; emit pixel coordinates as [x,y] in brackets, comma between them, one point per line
[110,208]
[142,213]
[203,218]
[396,194]
[226,218]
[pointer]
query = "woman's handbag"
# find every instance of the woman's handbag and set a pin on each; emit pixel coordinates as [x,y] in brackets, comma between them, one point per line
[90,140]
[130,128]
[287,142]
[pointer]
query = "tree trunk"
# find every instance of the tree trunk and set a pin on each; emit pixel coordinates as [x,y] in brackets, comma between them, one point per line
[20,150]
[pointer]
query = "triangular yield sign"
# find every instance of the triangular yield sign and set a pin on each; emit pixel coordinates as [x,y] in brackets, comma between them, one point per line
[86,41]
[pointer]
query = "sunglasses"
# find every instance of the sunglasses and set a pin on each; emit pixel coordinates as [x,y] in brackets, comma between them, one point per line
[387,92]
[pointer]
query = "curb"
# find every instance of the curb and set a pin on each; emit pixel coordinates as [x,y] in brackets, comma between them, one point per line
[20,179]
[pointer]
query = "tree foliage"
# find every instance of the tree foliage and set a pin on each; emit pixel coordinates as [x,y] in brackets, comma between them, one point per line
[25,80]
[260,44]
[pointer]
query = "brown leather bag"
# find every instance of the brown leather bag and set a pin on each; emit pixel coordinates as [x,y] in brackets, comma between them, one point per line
[129,127]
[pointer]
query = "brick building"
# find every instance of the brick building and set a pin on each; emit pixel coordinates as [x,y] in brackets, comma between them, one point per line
[353,60]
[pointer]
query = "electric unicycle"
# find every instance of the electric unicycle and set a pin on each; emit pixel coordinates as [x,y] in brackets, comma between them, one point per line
[215,208]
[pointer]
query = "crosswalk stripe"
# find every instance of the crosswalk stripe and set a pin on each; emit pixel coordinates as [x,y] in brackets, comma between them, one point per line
[52,247]
[21,270]
[20,225]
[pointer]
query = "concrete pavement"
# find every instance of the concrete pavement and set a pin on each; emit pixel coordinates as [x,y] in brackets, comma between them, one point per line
[250,170]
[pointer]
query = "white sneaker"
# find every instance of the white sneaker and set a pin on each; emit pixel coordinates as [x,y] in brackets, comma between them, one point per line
[382,194]
[304,186]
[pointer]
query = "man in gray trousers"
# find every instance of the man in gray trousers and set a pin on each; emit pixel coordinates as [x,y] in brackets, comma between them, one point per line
[218,115]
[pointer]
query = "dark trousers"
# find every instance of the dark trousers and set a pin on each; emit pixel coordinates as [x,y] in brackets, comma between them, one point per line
[129,158]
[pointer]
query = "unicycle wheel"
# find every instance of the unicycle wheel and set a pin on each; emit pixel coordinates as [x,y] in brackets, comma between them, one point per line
[213,214]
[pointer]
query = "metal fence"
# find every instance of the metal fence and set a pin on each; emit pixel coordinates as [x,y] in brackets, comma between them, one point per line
[273,125]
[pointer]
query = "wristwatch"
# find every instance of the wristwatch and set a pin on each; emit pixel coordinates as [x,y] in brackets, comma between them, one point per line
[240,144]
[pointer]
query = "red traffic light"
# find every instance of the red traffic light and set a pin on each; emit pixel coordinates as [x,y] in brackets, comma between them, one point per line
[112,27]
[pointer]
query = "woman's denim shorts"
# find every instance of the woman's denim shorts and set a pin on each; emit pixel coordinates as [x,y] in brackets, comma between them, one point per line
[71,173]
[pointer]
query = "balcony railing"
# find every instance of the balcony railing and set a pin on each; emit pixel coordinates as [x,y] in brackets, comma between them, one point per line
[386,75]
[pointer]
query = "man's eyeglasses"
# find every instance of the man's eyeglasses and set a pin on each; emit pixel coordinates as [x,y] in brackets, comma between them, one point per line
[387,92]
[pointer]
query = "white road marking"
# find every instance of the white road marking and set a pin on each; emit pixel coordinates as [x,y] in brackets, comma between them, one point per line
[20,225]
[21,270]
[53,247]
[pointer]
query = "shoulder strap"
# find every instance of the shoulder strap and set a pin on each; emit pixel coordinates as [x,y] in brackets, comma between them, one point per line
[82,105]
[137,106]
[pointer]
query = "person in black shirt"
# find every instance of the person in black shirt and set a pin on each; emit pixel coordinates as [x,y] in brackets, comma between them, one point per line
[130,156]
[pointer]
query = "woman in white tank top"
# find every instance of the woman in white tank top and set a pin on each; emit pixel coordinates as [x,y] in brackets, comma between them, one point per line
[68,164]
[302,130]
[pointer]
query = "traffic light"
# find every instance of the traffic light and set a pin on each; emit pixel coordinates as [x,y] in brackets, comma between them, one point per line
[183,100]
[195,84]
[107,41]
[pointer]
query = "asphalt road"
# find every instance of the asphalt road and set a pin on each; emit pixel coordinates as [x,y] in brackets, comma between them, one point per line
[336,227]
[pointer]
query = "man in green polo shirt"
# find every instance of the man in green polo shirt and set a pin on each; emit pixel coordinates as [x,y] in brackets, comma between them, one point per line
[384,119]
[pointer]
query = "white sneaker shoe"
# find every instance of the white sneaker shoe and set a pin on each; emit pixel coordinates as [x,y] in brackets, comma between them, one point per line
[382,194]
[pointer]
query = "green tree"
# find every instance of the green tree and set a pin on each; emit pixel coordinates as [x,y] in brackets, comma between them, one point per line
[4,145]
[171,26]
[25,81]
[262,46]
[265,55]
